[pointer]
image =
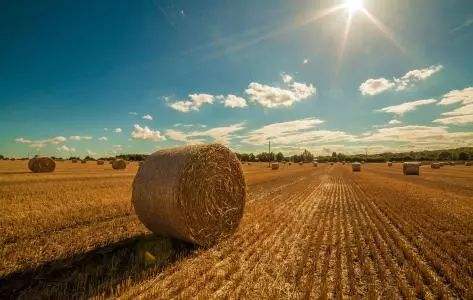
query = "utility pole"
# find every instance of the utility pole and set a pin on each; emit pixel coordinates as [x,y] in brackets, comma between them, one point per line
[366,156]
[269,152]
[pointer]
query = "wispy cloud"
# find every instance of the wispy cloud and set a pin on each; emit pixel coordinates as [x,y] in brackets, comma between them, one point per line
[461,115]
[65,148]
[217,134]
[117,130]
[145,133]
[406,107]
[379,85]
[79,138]
[103,138]
[41,143]
[133,113]
[394,122]
[467,23]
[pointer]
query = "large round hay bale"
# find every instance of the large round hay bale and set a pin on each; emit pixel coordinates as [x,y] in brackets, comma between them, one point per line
[83,161]
[411,168]
[74,161]
[301,163]
[274,166]
[41,164]
[119,164]
[435,165]
[194,193]
[356,167]
[390,164]
[468,163]
[314,164]
[100,162]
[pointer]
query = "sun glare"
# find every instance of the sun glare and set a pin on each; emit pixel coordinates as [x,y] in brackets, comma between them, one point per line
[353,5]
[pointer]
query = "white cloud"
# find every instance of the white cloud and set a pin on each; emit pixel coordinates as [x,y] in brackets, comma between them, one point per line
[301,132]
[147,117]
[117,130]
[194,102]
[64,148]
[455,120]
[105,129]
[271,97]
[233,101]
[133,113]
[286,78]
[41,143]
[464,97]
[461,115]
[467,23]
[394,122]
[376,86]
[305,61]
[117,148]
[145,133]
[406,107]
[79,138]
[414,76]
[103,138]
[91,153]
[218,134]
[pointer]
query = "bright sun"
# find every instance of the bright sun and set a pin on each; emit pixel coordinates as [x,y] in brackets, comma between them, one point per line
[353,5]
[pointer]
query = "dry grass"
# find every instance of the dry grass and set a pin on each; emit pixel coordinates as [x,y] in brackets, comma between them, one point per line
[306,232]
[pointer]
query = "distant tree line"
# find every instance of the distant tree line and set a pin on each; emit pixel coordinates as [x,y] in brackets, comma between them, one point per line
[463,154]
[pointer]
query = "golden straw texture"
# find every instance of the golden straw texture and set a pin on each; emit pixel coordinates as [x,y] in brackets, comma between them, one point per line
[41,164]
[193,193]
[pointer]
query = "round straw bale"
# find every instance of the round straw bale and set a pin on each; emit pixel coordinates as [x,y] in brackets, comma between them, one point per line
[468,163]
[331,163]
[41,164]
[74,161]
[194,193]
[83,161]
[100,162]
[435,165]
[411,168]
[119,164]
[290,163]
[274,166]
[314,164]
[301,163]
[390,164]
[356,167]
[12,159]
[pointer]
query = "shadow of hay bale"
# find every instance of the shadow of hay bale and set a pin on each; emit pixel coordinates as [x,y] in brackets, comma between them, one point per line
[95,272]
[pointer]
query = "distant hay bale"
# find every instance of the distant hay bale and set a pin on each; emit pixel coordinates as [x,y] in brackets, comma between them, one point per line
[411,168]
[435,165]
[12,159]
[74,161]
[314,164]
[274,166]
[451,163]
[249,164]
[390,164]
[100,162]
[83,161]
[356,167]
[331,163]
[301,163]
[468,163]
[140,163]
[290,163]
[41,165]
[119,164]
[194,193]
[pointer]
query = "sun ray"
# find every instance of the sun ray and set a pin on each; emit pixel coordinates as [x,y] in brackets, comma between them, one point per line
[387,33]
[343,43]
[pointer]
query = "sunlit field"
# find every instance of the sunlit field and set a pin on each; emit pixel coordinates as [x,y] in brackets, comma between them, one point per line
[306,232]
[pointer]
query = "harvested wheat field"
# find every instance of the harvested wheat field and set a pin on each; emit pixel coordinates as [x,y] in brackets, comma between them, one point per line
[305,233]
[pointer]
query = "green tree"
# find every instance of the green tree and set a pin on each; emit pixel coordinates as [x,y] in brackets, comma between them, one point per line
[279,157]
[463,156]
[444,155]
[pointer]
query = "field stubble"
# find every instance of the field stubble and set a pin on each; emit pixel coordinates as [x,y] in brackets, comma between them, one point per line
[306,233]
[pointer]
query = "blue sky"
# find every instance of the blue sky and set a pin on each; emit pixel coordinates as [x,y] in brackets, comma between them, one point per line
[107,77]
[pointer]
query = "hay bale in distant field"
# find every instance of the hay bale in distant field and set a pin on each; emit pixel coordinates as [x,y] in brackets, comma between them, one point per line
[411,168]
[274,166]
[356,167]
[390,164]
[249,164]
[12,159]
[83,161]
[41,164]
[314,164]
[331,163]
[140,163]
[435,165]
[100,162]
[468,163]
[194,193]
[451,163]
[301,163]
[74,161]
[119,164]
[290,163]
